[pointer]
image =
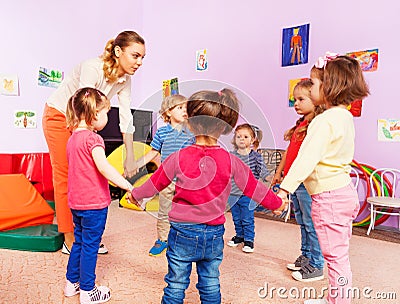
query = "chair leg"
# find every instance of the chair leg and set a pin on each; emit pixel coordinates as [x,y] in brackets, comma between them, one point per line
[372,221]
[399,220]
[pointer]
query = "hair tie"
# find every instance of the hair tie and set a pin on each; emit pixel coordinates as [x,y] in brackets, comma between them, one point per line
[219,93]
[86,94]
[322,61]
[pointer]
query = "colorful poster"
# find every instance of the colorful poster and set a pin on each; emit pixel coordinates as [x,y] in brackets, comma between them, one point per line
[201,60]
[292,84]
[50,78]
[9,85]
[388,129]
[174,86]
[166,88]
[170,87]
[368,59]
[25,119]
[295,42]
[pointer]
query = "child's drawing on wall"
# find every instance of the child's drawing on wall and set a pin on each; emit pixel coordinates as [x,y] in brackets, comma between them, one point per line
[295,45]
[368,59]
[25,119]
[50,78]
[292,84]
[9,85]
[388,129]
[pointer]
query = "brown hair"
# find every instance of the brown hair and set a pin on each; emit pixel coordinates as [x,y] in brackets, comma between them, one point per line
[213,113]
[252,132]
[302,132]
[84,104]
[342,81]
[169,103]
[123,40]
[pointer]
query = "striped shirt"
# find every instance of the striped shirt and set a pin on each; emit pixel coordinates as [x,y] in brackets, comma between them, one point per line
[256,163]
[168,140]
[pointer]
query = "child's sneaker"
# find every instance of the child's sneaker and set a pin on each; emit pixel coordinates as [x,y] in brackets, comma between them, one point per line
[158,248]
[300,262]
[316,301]
[308,273]
[71,289]
[235,241]
[248,247]
[99,294]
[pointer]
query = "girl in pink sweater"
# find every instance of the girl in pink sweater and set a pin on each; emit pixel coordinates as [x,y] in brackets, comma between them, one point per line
[203,175]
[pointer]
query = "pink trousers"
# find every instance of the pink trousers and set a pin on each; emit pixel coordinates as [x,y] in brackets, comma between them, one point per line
[333,213]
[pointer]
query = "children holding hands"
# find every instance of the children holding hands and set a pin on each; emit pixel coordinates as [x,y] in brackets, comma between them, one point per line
[203,174]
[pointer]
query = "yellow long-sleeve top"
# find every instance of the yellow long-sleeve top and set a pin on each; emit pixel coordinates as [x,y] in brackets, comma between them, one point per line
[323,161]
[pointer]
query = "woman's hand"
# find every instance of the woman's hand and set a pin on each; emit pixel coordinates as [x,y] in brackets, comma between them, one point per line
[130,166]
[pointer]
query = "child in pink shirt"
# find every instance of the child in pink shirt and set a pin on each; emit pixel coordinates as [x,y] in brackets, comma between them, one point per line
[88,191]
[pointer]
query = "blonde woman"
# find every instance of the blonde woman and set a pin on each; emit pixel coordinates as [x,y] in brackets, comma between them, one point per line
[110,73]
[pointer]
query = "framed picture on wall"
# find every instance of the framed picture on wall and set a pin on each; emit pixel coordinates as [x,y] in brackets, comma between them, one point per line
[295,45]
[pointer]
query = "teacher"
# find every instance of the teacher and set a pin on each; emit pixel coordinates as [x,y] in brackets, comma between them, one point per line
[111,74]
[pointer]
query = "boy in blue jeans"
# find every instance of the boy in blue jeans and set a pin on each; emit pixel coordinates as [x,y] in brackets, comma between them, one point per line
[168,139]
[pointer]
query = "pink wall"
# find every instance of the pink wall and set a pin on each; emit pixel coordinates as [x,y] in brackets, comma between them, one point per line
[56,35]
[244,47]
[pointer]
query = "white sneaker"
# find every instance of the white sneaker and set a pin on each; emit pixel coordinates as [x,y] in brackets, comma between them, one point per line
[71,289]
[248,247]
[99,294]
[316,301]
[65,249]
[102,249]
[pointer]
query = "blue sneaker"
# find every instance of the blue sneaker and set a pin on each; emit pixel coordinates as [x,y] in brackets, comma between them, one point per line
[158,248]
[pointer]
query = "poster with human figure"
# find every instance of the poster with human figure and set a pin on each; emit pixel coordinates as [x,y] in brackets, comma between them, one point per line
[295,42]
[201,60]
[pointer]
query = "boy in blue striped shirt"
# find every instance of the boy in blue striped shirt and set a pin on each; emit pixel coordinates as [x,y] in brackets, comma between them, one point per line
[168,139]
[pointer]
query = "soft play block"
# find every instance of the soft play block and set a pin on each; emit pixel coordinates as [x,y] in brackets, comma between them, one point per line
[34,238]
[21,205]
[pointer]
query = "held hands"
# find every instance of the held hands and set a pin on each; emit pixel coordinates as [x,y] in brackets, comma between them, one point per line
[131,200]
[285,202]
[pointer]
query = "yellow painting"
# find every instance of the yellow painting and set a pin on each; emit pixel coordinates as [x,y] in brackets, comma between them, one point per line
[292,84]
[9,85]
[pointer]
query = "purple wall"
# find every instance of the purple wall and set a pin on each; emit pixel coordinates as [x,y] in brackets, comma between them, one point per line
[55,35]
[244,48]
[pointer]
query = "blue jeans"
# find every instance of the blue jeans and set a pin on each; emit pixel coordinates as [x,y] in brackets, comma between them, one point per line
[194,243]
[309,240]
[89,228]
[242,208]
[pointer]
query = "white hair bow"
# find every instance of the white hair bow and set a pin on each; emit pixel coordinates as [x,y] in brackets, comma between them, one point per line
[322,61]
